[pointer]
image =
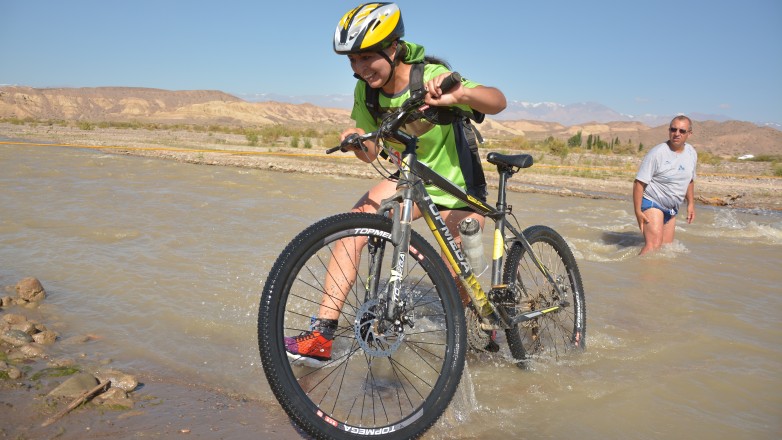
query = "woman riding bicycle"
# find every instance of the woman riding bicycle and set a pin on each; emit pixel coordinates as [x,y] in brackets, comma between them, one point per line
[371,37]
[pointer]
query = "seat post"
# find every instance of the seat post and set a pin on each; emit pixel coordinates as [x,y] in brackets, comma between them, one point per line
[499,227]
[501,191]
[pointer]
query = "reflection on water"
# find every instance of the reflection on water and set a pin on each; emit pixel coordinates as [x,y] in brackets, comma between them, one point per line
[165,261]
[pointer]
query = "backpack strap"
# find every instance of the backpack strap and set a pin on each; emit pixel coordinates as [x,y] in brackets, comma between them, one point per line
[372,101]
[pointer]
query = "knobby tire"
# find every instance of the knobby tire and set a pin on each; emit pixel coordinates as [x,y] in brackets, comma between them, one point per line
[550,335]
[394,388]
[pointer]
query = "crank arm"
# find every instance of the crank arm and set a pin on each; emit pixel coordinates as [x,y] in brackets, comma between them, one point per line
[528,316]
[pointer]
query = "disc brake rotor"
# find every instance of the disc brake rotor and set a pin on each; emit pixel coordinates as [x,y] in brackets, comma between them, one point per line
[370,339]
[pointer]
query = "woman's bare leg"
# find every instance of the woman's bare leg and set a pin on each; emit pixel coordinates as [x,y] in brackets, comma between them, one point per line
[344,263]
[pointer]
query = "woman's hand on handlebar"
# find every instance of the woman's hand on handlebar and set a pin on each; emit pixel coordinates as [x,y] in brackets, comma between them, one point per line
[436,96]
[366,151]
[349,133]
[487,100]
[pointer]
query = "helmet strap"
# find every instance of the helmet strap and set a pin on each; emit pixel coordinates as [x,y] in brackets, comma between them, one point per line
[391,63]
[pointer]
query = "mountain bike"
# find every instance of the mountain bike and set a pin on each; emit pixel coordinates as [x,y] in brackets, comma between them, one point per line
[402,336]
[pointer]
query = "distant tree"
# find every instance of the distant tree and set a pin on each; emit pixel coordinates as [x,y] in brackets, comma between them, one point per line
[589,142]
[599,144]
[575,140]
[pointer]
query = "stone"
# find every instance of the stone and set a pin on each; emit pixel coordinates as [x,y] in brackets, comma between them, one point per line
[17,338]
[31,290]
[33,350]
[75,386]
[27,327]
[14,319]
[46,337]
[115,398]
[118,379]
[14,373]
[61,362]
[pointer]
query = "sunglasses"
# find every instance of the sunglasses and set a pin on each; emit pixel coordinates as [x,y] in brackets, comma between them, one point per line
[680,130]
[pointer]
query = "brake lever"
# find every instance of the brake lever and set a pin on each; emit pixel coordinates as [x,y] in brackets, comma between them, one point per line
[352,138]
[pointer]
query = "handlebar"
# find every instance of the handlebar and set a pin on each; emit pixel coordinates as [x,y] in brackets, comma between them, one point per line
[392,122]
[450,82]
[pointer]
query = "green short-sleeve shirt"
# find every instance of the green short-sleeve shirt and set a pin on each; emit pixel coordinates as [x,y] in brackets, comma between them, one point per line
[437,143]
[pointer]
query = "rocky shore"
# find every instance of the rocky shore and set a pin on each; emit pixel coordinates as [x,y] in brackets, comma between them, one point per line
[29,360]
[53,386]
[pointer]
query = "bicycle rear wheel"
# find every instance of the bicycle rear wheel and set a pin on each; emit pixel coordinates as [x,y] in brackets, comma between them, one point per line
[553,334]
[386,384]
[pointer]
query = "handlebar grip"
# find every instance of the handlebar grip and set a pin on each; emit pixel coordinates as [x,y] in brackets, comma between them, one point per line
[450,82]
[350,140]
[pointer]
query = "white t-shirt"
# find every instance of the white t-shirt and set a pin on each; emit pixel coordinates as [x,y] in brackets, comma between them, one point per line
[667,174]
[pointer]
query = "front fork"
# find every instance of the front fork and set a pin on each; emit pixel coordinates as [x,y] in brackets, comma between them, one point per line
[400,237]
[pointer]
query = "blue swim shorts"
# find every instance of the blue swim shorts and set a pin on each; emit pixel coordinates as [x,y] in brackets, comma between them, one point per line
[668,214]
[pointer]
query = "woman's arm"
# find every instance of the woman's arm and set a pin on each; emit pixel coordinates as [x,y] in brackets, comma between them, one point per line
[487,100]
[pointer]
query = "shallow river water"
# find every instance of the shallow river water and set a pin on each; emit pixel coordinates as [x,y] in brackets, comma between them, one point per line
[164,262]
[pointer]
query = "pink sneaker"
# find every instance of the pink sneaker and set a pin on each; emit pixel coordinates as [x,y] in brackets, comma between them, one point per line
[310,348]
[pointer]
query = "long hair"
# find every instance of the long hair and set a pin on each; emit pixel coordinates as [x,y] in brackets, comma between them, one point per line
[430,59]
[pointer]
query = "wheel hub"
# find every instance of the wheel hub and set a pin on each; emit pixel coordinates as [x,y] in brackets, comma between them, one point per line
[373,341]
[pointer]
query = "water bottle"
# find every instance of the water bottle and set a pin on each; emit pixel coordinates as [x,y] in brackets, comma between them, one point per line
[472,245]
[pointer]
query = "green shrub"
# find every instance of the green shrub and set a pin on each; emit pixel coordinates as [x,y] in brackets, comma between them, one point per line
[556,147]
[767,158]
[252,137]
[704,157]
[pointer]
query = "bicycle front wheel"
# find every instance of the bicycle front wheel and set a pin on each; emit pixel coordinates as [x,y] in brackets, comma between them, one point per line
[381,381]
[552,334]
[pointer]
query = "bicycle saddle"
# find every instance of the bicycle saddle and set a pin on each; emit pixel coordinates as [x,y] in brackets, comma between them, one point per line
[513,160]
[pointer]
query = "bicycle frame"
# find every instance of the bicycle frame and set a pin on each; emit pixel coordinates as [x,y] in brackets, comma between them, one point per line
[411,191]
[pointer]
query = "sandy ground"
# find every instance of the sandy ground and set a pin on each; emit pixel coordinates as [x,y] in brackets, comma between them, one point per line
[166,407]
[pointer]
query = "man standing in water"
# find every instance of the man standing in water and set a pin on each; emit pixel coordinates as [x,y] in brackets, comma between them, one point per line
[666,177]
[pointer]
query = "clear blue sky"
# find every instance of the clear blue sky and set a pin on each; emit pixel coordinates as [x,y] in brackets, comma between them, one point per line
[637,57]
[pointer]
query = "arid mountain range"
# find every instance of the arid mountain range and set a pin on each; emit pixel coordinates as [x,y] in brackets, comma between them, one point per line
[205,107]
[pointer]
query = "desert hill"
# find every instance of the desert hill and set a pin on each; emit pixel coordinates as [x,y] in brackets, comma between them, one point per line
[203,107]
[155,105]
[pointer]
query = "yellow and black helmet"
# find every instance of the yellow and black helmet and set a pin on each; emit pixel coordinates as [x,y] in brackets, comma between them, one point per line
[370,27]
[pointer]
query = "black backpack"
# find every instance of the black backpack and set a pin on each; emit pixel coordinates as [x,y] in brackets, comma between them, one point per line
[467,136]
